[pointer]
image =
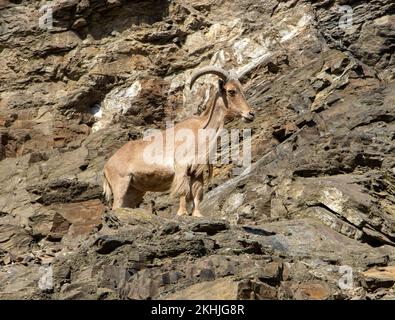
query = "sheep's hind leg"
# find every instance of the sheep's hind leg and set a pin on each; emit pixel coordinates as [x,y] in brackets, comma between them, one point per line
[125,196]
[120,188]
[133,198]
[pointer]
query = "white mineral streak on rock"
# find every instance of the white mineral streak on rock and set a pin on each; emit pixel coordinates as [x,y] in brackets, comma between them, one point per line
[290,30]
[117,101]
[234,202]
[333,199]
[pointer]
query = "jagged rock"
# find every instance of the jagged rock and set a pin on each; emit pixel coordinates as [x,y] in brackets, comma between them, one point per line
[256,290]
[341,203]
[175,247]
[379,277]
[63,191]
[49,224]
[115,277]
[85,217]
[271,273]
[210,227]
[170,228]
[78,290]
[20,282]
[221,289]
[138,216]
[14,239]
[312,291]
[107,244]
[320,195]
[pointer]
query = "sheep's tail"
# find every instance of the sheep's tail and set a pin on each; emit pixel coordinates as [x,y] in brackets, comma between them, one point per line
[106,188]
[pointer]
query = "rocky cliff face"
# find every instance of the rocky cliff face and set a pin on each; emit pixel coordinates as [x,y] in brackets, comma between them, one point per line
[315,217]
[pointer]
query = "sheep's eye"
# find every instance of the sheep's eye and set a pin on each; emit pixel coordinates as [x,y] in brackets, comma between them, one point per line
[231,92]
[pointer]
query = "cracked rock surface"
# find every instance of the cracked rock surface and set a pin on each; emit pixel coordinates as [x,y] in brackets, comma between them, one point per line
[314,218]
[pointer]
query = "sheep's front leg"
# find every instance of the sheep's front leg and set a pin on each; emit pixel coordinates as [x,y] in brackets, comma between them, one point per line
[182,210]
[197,194]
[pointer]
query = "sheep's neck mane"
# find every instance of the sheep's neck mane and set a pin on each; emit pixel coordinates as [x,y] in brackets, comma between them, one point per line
[214,115]
[212,119]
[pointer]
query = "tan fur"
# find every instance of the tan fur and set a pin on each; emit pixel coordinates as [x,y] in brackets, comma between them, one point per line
[180,185]
[106,188]
[127,176]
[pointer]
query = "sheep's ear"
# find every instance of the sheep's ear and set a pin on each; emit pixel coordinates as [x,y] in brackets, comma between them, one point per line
[221,84]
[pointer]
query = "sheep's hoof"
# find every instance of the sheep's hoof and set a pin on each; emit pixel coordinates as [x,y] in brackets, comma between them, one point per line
[182,213]
[196,213]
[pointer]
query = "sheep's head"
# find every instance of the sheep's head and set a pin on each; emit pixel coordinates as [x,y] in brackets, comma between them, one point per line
[231,91]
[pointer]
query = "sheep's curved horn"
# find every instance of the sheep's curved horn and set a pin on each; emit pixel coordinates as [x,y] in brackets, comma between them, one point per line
[223,74]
